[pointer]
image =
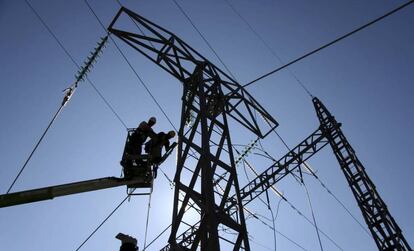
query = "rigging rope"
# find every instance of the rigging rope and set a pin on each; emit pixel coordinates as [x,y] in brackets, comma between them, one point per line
[148,215]
[332,42]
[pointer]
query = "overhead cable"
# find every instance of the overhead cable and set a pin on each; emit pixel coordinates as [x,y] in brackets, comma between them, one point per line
[103,222]
[75,63]
[130,65]
[204,38]
[272,51]
[134,71]
[68,91]
[273,218]
[300,213]
[35,148]
[307,166]
[313,216]
[332,42]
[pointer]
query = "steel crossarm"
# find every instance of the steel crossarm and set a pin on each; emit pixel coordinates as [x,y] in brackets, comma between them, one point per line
[277,171]
[173,55]
[281,168]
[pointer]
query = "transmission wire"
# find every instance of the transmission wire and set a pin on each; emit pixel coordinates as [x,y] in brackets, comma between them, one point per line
[63,103]
[313,215]
[332,42]
[103,98]
[130,65]
[75,63]
[273,218]
[204,38]
[144,85]
[273,52]
[300,213]
[336,198]
[322,184]
[103,222]
[35,148]
[135,73]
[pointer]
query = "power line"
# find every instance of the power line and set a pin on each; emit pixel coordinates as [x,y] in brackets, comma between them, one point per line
[204,38]
[66,98]
[130,65]
[74,62]
[103,222]
[273,52]
[313,216]
[296,209]
[306,165]
[135,72]
[273,218]
[35,148]
[332,42]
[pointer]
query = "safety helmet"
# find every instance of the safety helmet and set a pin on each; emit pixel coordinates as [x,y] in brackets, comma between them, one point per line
[171,134]
[152,120]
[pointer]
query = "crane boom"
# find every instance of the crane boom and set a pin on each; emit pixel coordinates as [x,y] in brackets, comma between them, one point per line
[51,192]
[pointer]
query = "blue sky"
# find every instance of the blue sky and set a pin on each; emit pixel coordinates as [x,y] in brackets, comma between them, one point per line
[365,80]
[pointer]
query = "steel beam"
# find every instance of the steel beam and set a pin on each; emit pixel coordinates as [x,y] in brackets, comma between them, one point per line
[384,229]
[277,171]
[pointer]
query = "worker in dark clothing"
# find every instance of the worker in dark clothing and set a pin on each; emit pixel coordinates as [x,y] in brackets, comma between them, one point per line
[141,134]
[137,139]
[129,243]
[154,147]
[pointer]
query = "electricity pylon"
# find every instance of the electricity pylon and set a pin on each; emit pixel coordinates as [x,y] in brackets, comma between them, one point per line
[210,97]
[206,177]
[385,231]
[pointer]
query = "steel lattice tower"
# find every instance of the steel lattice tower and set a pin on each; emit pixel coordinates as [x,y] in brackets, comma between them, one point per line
[206,177]
[385,231]
[206,185]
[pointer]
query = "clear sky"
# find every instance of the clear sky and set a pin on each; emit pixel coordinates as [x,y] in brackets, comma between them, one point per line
[365,80]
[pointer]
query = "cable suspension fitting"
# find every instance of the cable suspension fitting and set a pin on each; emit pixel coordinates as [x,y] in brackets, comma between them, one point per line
[246,151]
[68,95]
[85,69]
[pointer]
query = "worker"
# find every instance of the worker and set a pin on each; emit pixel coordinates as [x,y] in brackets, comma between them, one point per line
[129,243]
[141,134]
[154,147]
[137,139]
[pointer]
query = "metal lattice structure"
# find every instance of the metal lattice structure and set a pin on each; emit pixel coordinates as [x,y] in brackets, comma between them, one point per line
[210,98]
[385,231]
[206,177]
